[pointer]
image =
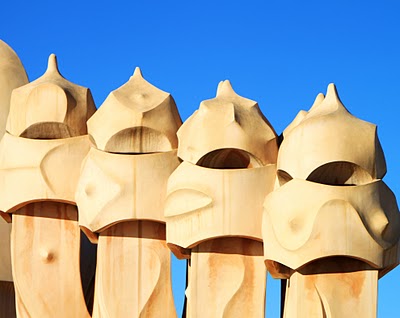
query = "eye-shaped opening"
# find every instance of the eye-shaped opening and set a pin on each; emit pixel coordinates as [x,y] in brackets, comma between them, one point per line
[228,158]
[335,264]
[340,173]
[283,177]
[48,130]
[138,140]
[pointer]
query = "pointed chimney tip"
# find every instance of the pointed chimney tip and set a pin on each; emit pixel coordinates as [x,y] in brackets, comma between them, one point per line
[331,90]
[52,65]
[225,88]
[137,72]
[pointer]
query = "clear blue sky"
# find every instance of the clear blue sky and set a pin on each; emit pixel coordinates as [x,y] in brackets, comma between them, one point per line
[279,53]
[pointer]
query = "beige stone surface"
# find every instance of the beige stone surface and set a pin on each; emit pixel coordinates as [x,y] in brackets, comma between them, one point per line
[204,203]
[38,163]
[336,294]
[326,136]
[227,279]
[121,195]
[50,107]
[214,204]
[40,159]
[318,221]
[331,226]
[118,187]
[45,257]
[228,121]
[12,75]
[136,118]
[133,272]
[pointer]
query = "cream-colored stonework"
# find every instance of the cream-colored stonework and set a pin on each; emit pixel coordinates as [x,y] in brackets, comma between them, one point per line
[12,75]
[117,187]
[50,107]
[331,226]
[38,162]
[136,118]
[121,196]
[206,203]
[228,121]
[39,170]
[329,135]
[221,191]
[366,223]
[214,205]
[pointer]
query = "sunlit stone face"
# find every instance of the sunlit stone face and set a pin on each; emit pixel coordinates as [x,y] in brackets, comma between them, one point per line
[115,187]
[50,107]
[136,118]
[228,121]
[326,134]
[330,200]
[205,203]
[305,221]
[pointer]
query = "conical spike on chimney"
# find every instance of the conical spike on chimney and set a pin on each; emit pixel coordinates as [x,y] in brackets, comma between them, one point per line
[137,72]
[332,100]
[52,65]
[219,87]
[225,89]
[317,102]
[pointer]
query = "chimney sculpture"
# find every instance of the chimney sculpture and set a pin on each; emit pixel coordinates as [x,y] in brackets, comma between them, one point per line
[40,159]
[12,75]
[121,196]
[332,227]
[214,205]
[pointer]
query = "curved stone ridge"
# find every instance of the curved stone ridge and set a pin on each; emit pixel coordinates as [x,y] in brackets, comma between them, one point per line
[136,118]
[115,188]
[121,196]
[214,204]
[38,161]
[300,230]
[204,204]
[12,75]
[227,121]
[328,133]
[50,107]
[331,225]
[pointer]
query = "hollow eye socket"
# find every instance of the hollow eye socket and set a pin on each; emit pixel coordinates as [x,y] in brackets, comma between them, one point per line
[138,140]
[283,177]
[228,158]
[340,173]
[48,130]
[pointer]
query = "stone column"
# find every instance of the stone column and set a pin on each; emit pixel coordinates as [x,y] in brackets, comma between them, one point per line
[121,196]
[332,226]
[40,159]
[214,205]
[12,75]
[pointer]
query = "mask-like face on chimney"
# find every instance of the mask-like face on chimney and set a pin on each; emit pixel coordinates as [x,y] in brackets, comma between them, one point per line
[228,121]
[50,107]
[229,155]
[330,200]
[136,118]
[211,203]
